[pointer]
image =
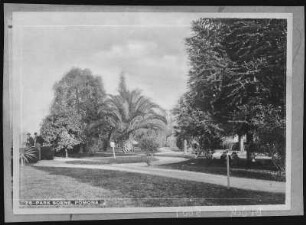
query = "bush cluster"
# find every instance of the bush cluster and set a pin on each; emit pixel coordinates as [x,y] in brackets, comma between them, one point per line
[32,154]
[148,144]
[47,153]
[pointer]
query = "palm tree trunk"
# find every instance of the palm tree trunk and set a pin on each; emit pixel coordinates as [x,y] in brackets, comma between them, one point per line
[105,145]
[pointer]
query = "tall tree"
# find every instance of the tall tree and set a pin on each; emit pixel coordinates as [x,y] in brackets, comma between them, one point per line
[78,96]
[236,65]
[131,111]
[197,125]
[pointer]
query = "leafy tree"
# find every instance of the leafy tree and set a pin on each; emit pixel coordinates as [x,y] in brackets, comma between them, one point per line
[237,64]
[271,133]
[63,130]
[78,97]
[81,91]
[196,125]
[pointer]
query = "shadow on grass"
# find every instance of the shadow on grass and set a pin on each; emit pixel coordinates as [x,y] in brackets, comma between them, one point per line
[155,191]
[110,160]
[254,171]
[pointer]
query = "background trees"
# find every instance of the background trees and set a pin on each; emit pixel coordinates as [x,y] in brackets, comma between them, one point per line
[82,115]
[237,72]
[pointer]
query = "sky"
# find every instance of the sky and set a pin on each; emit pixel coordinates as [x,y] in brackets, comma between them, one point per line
[148,48]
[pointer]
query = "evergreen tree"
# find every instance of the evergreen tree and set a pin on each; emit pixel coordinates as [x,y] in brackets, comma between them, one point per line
[237,65]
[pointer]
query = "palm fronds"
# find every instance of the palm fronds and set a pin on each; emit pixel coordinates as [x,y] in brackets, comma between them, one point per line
[128,112]
[27,154]
[133,111]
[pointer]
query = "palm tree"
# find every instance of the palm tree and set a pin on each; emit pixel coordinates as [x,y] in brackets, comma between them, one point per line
[128,112]
[133,111]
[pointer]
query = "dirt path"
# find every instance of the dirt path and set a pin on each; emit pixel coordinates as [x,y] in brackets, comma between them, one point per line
[236,182]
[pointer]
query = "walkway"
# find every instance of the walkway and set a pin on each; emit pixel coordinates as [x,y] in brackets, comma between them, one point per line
[235,182]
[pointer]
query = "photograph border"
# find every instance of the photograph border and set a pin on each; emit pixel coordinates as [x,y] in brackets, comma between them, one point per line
[289,97]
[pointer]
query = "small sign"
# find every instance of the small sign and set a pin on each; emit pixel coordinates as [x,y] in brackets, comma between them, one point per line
[112,144]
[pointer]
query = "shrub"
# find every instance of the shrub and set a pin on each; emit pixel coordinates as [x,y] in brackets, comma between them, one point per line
[31,155]
[28,155]
[47,152]
[180,143]
[149,145]
[236,146]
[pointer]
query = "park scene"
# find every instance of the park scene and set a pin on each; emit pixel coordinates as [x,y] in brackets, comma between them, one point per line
[154,130]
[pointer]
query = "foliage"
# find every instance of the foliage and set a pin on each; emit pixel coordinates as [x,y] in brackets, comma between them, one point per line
[63,130]
[180,142]
[270,133]
[231,60]
[28,155]
[171,123]
[158,135]
[130,111]
[148,144]
[195,124]
[47,152]
[236,66]
[78,96]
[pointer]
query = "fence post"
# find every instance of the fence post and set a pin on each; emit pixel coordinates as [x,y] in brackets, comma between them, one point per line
[185,147]
[228,170]
[112,144]
[114,152]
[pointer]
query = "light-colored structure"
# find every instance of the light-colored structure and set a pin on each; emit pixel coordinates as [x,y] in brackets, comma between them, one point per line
[231,140]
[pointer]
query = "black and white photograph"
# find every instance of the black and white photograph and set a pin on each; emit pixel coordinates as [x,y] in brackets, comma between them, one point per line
[150,111]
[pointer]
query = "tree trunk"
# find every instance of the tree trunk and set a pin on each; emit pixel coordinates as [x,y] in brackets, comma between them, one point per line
[105,145]
[241,144]
[81,148]
[250,147]
[185,147]
[66,150]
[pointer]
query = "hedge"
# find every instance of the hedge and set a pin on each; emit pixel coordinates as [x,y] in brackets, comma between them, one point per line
[47,153]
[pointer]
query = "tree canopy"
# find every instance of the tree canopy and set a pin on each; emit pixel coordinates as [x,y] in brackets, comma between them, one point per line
[77,98]
[237,66]
[131,111]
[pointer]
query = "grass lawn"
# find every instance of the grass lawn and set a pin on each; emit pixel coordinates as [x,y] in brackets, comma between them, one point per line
[255,171]
[37,184]
[101,154]
[124,189]
[110,160]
